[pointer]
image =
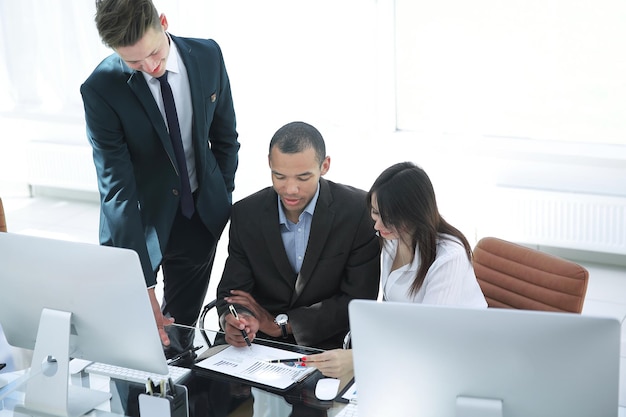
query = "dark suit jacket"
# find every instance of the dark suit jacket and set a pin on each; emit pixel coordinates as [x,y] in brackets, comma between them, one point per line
[134,158]
[341,262]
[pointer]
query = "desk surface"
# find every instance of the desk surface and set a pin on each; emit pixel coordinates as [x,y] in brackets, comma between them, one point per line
[236,398]
[16,399]
[215,396]
[210,395]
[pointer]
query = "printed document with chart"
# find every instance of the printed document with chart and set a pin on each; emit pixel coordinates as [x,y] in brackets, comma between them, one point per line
[252,364]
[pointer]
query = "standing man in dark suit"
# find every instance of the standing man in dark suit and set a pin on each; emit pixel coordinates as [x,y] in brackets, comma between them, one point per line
[169,203]
[298,251]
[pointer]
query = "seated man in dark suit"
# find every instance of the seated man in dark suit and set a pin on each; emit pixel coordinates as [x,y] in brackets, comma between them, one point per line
[298,251]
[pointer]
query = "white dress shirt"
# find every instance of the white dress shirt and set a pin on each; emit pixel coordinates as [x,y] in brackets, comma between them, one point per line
[450,280]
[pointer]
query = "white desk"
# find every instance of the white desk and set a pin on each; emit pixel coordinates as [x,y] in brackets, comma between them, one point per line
[16,398]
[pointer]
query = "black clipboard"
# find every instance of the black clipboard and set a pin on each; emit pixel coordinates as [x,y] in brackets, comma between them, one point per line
[340,396]
[223,377]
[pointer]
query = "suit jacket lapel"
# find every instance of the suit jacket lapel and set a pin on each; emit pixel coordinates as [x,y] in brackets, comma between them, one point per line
[271,233]
[138,85]
[197,99]
[321,227]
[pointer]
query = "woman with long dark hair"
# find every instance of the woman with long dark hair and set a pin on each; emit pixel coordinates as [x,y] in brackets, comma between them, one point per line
[424,259]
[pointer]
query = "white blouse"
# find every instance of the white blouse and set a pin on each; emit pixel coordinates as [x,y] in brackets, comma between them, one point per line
[450,280]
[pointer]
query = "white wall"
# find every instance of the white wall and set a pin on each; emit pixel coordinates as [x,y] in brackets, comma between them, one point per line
[353,68]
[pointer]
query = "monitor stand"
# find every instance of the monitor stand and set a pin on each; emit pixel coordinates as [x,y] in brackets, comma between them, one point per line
[478,407]
[48,392]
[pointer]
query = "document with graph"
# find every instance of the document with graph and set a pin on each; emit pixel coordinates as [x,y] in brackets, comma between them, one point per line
[259,364]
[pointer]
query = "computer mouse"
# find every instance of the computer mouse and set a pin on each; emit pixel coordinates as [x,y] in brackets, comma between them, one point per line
[326,388]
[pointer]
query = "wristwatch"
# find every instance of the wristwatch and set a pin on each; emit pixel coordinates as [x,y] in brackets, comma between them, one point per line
[282,320]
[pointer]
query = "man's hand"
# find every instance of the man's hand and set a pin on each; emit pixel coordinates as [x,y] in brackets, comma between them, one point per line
[263,317]
[161,320]
[233,328]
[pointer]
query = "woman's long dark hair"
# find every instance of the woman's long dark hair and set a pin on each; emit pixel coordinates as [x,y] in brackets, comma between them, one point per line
[406,202]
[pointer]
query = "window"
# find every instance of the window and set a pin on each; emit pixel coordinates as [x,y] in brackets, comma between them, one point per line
[539,69]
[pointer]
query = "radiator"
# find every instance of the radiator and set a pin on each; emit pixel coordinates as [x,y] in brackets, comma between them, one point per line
[567,220]
[65,166]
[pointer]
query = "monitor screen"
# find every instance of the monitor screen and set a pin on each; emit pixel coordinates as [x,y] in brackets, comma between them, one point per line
[76,300]
[440,361]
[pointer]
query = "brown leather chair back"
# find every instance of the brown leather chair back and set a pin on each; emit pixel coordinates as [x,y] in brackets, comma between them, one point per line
[3,220]
[514,276]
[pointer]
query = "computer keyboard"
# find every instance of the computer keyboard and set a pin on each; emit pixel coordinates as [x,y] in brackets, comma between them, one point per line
[349,410]
[177,373]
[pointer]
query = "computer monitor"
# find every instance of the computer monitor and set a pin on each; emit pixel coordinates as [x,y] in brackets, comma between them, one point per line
[438,361]
[74,300]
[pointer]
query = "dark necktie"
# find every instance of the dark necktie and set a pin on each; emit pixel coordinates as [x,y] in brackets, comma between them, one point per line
[186,199]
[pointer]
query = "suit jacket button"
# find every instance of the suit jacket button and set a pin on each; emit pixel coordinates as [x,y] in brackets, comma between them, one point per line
[175,192]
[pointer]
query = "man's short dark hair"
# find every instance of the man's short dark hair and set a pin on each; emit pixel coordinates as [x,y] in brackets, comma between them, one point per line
[124,22]
[296,137]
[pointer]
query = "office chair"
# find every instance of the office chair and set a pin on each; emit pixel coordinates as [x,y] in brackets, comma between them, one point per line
[3,220]
[514,276]
[201,319]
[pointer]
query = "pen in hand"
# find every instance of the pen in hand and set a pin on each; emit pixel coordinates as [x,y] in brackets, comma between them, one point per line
[243,331]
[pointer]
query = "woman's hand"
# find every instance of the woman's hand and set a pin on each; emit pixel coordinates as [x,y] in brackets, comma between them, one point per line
[332,363]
